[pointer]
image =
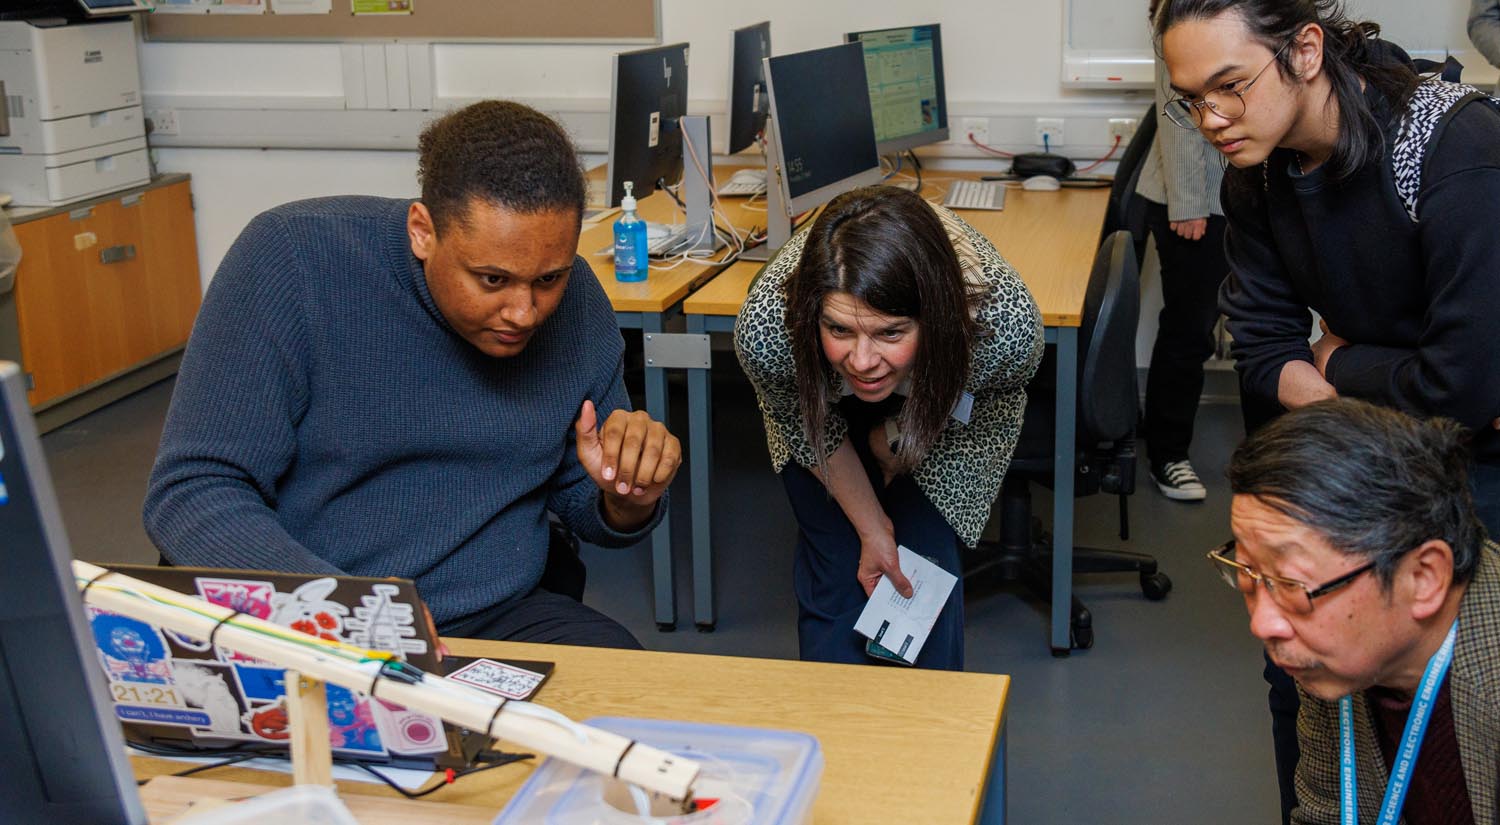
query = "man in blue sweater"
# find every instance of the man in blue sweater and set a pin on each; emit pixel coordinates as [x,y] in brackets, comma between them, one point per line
[406,388]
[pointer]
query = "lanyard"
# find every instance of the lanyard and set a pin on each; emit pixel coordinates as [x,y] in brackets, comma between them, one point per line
[1411,740]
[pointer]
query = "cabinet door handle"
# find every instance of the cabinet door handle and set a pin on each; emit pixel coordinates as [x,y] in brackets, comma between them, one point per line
[117,254]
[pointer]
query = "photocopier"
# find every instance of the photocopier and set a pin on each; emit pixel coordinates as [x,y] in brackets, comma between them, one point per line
[71,123]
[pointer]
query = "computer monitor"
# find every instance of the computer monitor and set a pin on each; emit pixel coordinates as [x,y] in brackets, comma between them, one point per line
[905,71]
[821,123]
[645,139]
[748,102]
[104,8]
[62,757]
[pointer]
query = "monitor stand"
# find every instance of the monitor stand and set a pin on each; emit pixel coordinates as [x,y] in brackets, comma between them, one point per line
[778,222]
[697,234]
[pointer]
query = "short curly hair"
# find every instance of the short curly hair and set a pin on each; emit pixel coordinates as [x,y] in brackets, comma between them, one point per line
[502,152]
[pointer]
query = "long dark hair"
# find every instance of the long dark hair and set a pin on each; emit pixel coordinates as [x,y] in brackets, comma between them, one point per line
[1350,54]
[888,248]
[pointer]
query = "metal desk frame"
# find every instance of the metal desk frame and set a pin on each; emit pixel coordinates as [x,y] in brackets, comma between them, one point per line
[664,591]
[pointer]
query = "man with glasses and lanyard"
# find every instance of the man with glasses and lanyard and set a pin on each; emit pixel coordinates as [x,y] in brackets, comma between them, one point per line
[1358,190]
[1367,574]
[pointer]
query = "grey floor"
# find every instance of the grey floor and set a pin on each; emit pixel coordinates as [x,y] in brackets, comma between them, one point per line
[1163,721]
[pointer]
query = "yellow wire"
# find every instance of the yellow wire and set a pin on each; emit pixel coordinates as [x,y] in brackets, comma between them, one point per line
[291,636]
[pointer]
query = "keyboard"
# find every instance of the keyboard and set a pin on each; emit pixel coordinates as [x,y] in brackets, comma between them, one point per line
[744,183]
[975,194]
[662,240]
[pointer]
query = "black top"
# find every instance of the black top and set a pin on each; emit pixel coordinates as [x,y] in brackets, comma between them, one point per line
[1418,300]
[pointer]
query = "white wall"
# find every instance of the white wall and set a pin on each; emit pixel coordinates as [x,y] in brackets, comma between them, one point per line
[1002,60]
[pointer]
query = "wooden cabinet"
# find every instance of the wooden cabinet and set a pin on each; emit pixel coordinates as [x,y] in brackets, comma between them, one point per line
[106,288]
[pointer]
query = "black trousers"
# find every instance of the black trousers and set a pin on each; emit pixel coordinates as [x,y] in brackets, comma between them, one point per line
[1191,272]
[829,597]
[543,617]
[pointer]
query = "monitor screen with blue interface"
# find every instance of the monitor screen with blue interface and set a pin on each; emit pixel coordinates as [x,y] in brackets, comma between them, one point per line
[820,115]
[905,71]
[62,756]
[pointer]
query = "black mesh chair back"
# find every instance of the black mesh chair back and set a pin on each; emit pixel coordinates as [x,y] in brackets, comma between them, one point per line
[1106,344]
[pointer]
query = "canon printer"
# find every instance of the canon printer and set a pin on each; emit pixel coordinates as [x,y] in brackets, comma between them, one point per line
[71,126]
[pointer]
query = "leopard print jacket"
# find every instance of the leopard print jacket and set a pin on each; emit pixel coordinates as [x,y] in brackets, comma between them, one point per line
[961,475]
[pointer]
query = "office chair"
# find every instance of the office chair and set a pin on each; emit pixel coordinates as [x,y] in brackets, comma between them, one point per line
[1127,210]
[1106,444]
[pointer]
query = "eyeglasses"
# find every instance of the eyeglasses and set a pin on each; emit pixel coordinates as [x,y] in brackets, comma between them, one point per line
[1227,101]
[1291,595]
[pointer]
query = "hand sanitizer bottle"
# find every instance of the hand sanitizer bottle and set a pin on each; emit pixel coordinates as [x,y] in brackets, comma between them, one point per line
[632,260]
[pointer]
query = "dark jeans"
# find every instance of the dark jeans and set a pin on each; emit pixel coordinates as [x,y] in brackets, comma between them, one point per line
[545,618]
[1191,272]
[830,598]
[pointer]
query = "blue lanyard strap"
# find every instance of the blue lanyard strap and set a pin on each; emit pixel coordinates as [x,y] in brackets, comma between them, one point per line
[1411,741]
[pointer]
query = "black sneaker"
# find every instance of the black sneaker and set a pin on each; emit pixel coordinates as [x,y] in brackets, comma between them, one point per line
[1177,481]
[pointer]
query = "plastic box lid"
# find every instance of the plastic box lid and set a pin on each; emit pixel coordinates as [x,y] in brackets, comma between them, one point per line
[759,777]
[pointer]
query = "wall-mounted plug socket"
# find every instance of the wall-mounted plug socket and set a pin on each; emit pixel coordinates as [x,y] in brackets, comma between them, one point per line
[1049,132]
[1123,128]
[979,127]
[163,121]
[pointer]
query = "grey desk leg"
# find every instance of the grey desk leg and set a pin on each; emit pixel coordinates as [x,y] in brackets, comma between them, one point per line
[661,539]
[992,809]
[701,462]
[1062,502]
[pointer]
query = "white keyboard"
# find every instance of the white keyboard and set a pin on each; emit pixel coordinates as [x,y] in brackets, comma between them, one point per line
[975,194]
[744,183]
[662,239]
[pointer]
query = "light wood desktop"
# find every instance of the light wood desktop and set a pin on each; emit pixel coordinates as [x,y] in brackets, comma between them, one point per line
[1050,238]
[646,306]
[900,746]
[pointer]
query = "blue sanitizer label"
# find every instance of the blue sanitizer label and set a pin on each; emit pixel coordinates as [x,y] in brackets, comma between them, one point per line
[625,251]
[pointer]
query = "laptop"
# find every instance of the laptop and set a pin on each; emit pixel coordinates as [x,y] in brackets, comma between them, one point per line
[178,693]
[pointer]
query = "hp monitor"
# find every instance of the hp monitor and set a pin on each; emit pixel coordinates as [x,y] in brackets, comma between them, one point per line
[748,102]
[645,140]
[821,123]
[905,71]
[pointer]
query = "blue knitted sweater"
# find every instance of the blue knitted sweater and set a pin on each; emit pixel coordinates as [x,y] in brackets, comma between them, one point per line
[327,419]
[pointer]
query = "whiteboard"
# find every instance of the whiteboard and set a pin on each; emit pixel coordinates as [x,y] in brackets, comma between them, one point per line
[1107,43]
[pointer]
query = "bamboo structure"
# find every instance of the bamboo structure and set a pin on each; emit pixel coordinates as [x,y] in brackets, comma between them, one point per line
[305,657]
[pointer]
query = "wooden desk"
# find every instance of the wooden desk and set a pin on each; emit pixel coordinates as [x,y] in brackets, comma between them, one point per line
[646,305]
[1050,238]
[900,746]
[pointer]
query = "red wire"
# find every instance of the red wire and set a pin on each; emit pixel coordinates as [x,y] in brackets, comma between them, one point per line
[989,149]
[1097,163]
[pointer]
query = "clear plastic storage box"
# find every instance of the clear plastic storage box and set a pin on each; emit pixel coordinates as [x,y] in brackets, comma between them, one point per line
[757,776]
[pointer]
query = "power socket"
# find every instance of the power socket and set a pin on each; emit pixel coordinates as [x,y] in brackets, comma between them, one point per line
[1049,132]
[1123,128]
[163,121]
[979,127]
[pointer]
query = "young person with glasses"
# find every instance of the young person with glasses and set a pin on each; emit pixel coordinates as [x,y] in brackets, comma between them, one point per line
[1367,574]
[1358,190]
[1180,181]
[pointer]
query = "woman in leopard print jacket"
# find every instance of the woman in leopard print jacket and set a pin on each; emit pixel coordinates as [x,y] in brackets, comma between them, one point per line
[889,346]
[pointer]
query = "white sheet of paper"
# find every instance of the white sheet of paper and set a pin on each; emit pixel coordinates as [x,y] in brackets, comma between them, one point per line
[901,625]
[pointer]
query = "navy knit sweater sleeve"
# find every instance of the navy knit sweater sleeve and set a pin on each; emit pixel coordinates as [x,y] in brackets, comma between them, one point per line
[327,419]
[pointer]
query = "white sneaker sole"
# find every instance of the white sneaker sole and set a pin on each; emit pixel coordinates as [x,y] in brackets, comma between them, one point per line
[1182,494]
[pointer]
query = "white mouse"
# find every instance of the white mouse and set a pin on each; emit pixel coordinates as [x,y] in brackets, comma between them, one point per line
[1041,183]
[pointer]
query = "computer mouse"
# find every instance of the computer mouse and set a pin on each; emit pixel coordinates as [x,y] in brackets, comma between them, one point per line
[1041,183]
